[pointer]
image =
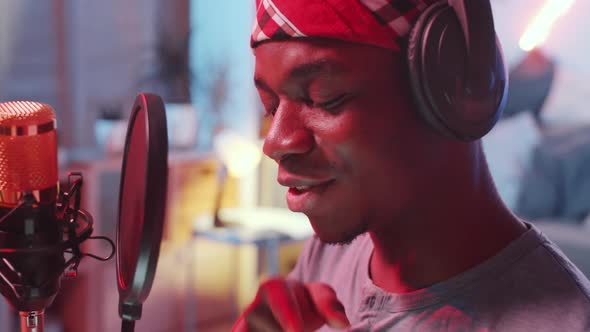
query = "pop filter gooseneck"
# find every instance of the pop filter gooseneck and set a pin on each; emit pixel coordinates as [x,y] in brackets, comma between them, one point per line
[142,204]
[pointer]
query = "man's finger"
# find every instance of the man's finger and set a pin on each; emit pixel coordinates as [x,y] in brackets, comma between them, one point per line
[257,318]
[240,325]
[327,305]
[261,319]
[283,304]
[312,320]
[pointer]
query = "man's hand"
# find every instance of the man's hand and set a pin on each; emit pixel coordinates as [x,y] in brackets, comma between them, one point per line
[287,305]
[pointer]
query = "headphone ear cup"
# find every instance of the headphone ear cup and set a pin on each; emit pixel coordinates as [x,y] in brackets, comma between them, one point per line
[437,67]
[415,68]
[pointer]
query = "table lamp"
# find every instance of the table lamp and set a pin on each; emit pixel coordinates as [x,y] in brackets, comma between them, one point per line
[239,156]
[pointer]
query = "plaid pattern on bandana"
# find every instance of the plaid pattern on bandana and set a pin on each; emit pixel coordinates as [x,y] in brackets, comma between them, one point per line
[272,24]
[381,23]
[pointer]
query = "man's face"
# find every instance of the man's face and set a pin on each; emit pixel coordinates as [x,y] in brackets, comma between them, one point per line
[348,144]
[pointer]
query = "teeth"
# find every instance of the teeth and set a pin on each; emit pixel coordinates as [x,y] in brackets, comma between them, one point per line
[302,188]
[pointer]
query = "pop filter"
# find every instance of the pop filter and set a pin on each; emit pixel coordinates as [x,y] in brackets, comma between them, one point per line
[142,203]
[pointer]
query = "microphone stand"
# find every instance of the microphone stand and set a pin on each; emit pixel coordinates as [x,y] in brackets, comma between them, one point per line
[32,321]
[32,248]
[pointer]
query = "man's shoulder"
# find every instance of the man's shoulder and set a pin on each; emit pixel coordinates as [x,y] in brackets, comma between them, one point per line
[531,286]
[558,268]
[543,280]
[536,264]
[547,291]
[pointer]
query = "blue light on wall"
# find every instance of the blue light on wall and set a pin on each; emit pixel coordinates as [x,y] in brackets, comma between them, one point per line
[223,64]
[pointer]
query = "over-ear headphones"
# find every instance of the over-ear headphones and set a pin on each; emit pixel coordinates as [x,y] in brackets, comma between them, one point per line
[456,68]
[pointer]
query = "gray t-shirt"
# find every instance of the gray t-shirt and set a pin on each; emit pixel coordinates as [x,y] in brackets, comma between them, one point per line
[528,286]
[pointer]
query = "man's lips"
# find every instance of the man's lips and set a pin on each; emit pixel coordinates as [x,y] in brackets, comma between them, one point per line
[301,182]
[306,195]
[317,188]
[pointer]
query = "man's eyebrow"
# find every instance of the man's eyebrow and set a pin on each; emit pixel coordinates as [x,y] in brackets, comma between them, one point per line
[311,69]
[305,71]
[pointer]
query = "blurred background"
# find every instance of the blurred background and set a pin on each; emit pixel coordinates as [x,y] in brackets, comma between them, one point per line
[89,59]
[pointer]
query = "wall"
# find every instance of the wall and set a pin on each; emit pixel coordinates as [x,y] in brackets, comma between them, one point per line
[563,43]
[109,49]
[28,53]
[566,104]
[220,41]
[223,63]
[83,56]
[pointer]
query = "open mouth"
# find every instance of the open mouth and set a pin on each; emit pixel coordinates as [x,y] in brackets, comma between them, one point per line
[300,190]
[307,198]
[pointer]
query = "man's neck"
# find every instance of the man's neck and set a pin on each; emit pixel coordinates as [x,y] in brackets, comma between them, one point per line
[438,241]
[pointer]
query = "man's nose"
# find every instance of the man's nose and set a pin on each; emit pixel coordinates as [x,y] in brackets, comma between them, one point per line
[287,134]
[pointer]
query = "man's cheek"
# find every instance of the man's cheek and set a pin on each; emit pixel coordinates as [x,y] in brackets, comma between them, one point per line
[347,155]
[339,129]
[358,161]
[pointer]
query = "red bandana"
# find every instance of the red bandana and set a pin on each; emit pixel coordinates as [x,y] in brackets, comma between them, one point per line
[381,23]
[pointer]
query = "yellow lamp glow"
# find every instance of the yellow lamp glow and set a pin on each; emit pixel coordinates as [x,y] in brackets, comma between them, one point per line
[239,154]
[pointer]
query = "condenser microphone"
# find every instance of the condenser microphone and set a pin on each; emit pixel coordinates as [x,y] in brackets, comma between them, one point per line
[28,152]
[37,226]
[28,193]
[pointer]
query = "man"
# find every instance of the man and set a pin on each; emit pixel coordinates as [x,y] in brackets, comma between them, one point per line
[411,233]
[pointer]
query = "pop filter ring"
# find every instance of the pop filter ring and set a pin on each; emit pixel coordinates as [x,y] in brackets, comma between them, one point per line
[132,293]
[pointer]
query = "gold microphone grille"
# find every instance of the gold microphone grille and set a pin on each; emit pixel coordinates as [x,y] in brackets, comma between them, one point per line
[28,147]
[25,113]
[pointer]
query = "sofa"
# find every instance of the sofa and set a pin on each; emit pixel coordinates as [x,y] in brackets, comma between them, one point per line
[542,173]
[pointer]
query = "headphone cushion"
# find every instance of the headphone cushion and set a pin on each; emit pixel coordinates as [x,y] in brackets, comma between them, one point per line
[415,61]
[437,62]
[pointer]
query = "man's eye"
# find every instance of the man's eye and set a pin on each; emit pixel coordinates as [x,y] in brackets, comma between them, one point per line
[333,103]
